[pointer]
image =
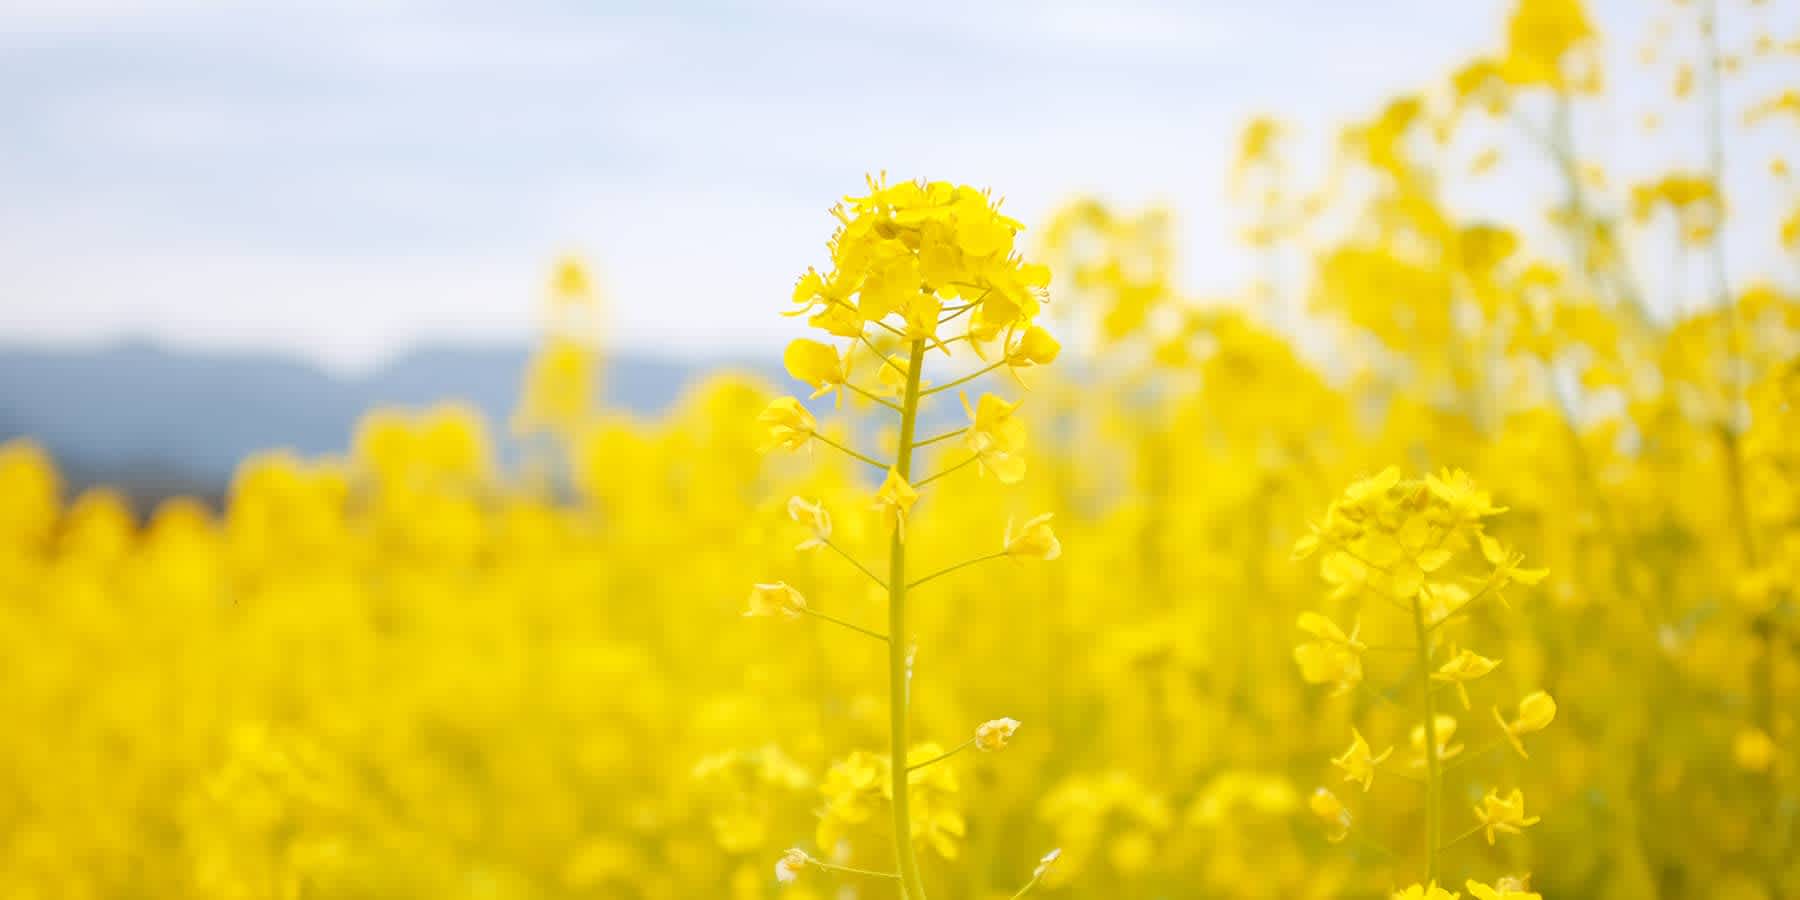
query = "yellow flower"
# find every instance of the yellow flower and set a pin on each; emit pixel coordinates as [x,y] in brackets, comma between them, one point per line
[1540,36]
[894,499]
[1357,762]
[993,735]
[813,516]
[788,867]
[816,364]
[569,280]
[1033,540]
[996,437]
[788,425]
[1331,812]
[1508,888]
[1753,750]
[1506,568]
[1508,815]
[903,249]
[1459,492]
[1036,347]
[776,599]
[1425,892]
[853,791]
[890,377]
[1445,728]
[1536,711]
[1334,658]
[1462,668]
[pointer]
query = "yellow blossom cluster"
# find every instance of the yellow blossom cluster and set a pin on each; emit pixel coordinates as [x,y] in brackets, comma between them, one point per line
[932,617]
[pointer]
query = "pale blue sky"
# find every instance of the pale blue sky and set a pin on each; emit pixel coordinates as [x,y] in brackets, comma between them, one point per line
[341,178]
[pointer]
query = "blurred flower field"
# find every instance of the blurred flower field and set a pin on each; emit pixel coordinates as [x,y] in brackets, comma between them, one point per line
[1459,555]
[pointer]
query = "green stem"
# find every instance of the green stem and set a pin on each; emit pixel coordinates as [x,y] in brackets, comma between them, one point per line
[883,356]
[1027,888]
[943,756]
[1434,784]
[1464,836]
[942,437]
[847,870]
[965,563]
[852,453]
[963,380]
[837,621]
[923,482]
[912,887]
[1453,613]
[859,566]
[1467,758]
[868,396]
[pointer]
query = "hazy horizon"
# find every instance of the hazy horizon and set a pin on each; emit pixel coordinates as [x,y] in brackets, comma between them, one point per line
[344,183]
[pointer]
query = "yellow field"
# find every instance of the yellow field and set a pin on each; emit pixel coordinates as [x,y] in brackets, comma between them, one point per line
[1454,549]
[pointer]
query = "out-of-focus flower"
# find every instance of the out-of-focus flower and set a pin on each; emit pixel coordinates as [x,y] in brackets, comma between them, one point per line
[777,599]
[993,735]
[1503,815]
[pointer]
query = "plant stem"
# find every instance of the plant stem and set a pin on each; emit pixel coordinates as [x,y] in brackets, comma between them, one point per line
[942,437]
[868,396]
[964,564]
[859,566]
[847,870]
[1465,836]
[943,756]
[964,380]
[852,453]
[1434,783]
[925,481]
[837,621]
[912,886]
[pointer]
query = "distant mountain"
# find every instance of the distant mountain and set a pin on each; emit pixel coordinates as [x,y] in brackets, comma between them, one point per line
[176,421]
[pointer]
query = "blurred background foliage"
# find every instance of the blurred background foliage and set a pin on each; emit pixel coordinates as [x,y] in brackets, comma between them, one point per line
[415,669]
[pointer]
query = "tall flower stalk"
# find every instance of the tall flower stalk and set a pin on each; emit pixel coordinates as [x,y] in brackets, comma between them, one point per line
[918,269]
[1406,544]
[899,678]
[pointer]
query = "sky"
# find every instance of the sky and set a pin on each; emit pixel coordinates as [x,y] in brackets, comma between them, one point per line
[343,179]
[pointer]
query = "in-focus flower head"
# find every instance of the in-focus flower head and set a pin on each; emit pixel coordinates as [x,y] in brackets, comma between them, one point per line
[906,251]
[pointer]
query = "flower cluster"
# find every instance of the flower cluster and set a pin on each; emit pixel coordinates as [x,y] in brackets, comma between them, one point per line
[1416,552]
[908,260]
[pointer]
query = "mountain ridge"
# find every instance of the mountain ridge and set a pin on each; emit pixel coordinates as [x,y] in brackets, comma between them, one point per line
[164,420]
